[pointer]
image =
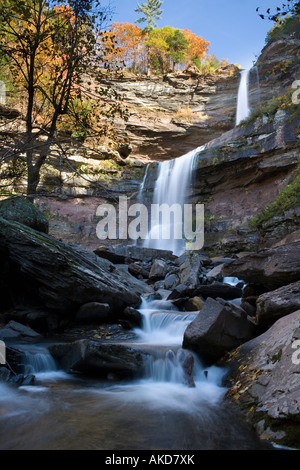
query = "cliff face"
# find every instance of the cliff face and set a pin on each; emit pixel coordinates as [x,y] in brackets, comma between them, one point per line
[242,170]
[171,115]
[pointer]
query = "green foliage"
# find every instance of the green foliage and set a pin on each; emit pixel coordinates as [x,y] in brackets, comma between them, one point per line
[288,198]
[178,46]
[283,27]
[151,11]
[270,108]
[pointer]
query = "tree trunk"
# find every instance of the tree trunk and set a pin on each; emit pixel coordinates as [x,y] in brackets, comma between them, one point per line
[33,179]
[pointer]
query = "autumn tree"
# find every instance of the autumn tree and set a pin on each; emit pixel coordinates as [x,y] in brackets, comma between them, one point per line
[128,48]
[157,44]
[50,49]
[197,47]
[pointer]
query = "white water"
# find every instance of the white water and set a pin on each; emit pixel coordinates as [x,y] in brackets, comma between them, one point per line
[171,187]
[159,411]
[243,109]
[142,186]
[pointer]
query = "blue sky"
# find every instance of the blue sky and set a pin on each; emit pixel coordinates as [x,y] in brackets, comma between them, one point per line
[233,27]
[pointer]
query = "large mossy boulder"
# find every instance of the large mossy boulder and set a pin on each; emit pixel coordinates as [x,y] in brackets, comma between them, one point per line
[19,209]
[60,277]
[263,376]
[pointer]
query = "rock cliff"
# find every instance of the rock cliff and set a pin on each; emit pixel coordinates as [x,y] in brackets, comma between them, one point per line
[173,114]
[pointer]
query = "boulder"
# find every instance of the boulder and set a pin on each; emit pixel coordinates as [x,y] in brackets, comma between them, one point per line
[189,266]
[132,318]
[62,277]
[218,328]
[271,268]
[15,331]
[138,271]
[278,303]
[93,312]
[217,289]
[6,375]
[158,270]
[130,253]
[171,281]
[97,359]
[19,209]
[215,274]
[194,304]
[263,376]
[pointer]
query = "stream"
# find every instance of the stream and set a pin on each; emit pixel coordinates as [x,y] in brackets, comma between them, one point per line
[159,411]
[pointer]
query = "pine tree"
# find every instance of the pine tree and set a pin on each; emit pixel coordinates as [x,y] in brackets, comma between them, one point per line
[151,11]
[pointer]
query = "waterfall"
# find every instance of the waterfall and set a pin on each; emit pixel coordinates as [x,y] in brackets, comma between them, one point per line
[162,333]
[37,359]
[243,109]
[142,187]
[171,187]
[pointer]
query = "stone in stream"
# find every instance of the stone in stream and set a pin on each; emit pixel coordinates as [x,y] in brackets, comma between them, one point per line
[218,328]
[100,359]
[188,366]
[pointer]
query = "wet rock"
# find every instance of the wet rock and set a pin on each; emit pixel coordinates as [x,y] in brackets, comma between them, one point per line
[15,331]
[177,292]
[138,271]
[188,367]
[93,312]
[278,303]
[130,253]
[18,380]
[270,268]
[158,270]
[263,376]
[189,266]
[217,289]
[171,281]
[217,329]
[132,318]
[215,274]
[193,304]
[94,359]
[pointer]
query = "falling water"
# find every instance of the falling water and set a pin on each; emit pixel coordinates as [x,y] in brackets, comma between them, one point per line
[171,187]
[243,109]
[142,186]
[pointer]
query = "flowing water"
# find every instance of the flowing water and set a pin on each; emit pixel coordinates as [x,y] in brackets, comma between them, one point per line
[162,410]
[243,109]
[172,187]
[158,411]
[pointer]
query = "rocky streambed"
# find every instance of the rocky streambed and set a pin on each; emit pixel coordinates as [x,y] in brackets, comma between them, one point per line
[127,325]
